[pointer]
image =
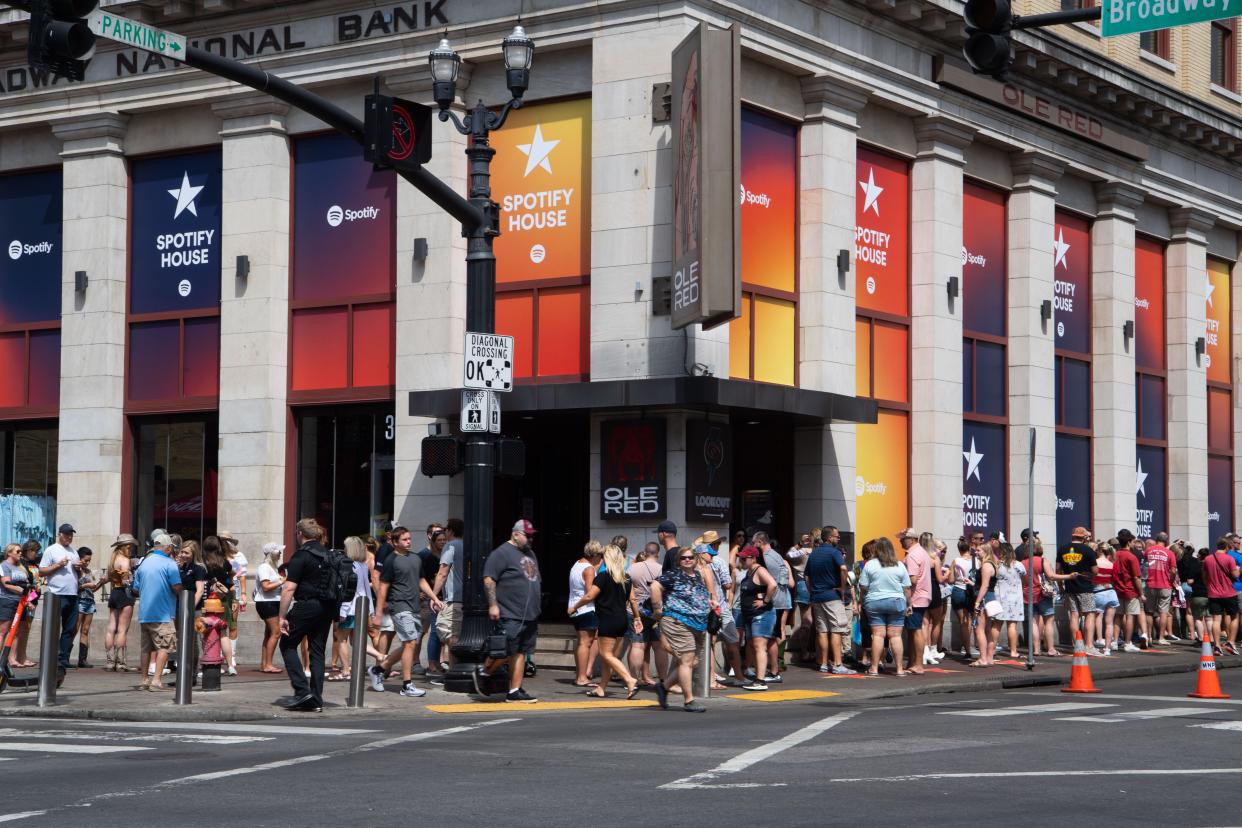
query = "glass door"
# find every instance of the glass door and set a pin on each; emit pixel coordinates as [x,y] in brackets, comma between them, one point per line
[175,476]
[345,460]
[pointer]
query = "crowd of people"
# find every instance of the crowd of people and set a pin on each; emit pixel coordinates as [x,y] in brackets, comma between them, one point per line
[648,618]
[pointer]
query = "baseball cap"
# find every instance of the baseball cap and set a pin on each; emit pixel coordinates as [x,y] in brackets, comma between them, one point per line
[161,540]
[907,533]
[65,529]
[748,552]
[704,549]
[1079,532]
[1026,534]
[667,527]
[269,548]
[525,527]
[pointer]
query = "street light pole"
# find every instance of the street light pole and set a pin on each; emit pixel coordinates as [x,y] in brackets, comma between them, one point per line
[478,124]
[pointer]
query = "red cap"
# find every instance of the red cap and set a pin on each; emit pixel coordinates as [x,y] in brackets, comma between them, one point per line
[525,527]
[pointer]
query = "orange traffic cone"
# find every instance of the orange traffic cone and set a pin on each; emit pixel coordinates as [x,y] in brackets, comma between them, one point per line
[1080,673]
[1209,682]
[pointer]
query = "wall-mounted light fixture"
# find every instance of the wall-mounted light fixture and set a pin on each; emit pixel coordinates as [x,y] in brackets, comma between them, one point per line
[1127,332]
[243,267]
[1200,349]
[1045,310]
[79,282]
[843,267]
[420,249]
[953,287]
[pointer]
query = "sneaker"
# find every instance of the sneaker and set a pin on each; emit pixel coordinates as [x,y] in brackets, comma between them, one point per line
[232,671]
[754,685]
[1092,652]
[938,654]
[749,672]
[1130,648]
[1173,637]
[661,695]
[842,670]
[974,653]
[693,707]
[418,670]
[962,652]
[1144,641]
[436,680]
[1162,642]
[520,696]
[773,679]
[413,692]
[377,678]
[1102,653]
[824,668]
[1099,643]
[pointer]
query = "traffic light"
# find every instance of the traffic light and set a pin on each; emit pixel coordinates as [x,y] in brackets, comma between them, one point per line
[397,133]
[988,49]
[60,38]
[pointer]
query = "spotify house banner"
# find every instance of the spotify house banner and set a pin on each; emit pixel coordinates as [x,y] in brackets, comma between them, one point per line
[30,210]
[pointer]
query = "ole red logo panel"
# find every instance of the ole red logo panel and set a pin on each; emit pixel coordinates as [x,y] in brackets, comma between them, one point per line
[882,234]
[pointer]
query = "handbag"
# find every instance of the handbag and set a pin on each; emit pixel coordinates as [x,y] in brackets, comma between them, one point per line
[992,608]
[713,622]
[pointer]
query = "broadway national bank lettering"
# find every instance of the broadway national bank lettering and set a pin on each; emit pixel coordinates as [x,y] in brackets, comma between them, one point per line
[250,43]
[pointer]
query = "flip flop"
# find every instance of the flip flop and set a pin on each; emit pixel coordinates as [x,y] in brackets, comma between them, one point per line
[632,691]
[589,684]
[593,695]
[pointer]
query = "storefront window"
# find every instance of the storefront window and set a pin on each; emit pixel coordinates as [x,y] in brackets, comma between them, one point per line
[345,469]
[28,483]
[176,476]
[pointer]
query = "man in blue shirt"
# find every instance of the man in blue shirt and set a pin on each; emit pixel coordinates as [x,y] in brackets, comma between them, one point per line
[157,582]
[825,576]
[1235,552]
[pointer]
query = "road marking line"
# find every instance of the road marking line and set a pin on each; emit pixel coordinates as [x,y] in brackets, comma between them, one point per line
[1061,707]
[1221,725]
[1059,773]
[492,707]
[1179,699]
[755,755]
[22,815]
[783,695]
[1135,715]
[117,736]
[275,730]
[77,748]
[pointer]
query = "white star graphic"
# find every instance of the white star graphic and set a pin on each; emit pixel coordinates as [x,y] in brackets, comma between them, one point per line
[871,193]
[973,459]
[185,195]
[1211,288]
[1141,487]
[1060,248]
[537,152]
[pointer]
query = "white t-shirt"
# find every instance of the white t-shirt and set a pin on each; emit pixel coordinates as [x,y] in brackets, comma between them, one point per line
[577,587]
[239,564]
[267,572]
[63,581]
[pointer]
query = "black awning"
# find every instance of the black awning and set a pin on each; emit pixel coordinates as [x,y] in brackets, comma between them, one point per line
[727,395]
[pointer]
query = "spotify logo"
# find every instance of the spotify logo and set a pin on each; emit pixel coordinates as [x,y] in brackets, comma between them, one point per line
[15,250]
[335,215]
[537,253]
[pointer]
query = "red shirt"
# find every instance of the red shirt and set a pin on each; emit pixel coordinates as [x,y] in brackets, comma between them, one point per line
[1035,568]
[1125,573]
[1218,573]
[1160,562]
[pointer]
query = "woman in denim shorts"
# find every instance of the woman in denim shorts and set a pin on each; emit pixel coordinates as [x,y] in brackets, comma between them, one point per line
[886,600]
[1106,600]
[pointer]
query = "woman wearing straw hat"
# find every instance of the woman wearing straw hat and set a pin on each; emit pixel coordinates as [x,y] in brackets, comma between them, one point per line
[120,602]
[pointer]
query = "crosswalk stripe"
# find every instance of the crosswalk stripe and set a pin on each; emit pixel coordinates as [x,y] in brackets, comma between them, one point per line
[1135,715]
[274,730]
[117,736]
[1061,707]
[1221,725]
[77,748]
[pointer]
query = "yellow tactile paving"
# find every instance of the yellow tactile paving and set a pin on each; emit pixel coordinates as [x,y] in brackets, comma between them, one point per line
[783,695]
[492,707]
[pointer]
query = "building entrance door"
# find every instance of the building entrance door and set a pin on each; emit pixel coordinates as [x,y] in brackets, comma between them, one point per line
[345,468]
[175,475]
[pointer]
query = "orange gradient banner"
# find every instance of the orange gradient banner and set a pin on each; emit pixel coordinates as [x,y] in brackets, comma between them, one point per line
[882,485]
[541,177]
[1218,329]
[769,198]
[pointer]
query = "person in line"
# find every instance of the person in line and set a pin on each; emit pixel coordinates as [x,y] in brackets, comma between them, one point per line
[886,590]
[666,536]
[306,615]
[88,585]
[782,604]
[757,589]
[120,602]
[1043,609]
[612,596]
[1009,575]
[220,584]
[268,582]
[986,629]
[194,581]
[402,583]
[644,570]
[429,555]
[1076,570]
[1219,572]
[861,639]
[933,619]
[449,586]
[241,574]
[1106,600]
[356,551]
[30,562]
[1190,573]
[513,586]
[583,618]
[157,584]
[1161,568]
[58,566]
[13,585]
[919,564]
[827,578]
[964,575]
[1234,551]
[680,602]
[1128,584]
[715,569]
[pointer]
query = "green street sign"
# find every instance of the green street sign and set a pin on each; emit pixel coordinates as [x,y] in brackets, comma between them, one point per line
[1121,17]
[138,35]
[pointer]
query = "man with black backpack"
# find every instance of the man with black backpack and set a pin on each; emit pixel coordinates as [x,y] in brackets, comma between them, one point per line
[317,582]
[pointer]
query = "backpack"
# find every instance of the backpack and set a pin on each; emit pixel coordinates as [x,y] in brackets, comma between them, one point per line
[337,582]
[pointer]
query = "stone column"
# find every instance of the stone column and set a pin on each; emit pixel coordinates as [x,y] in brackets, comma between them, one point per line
[936,326]
[1186,321]
[824,456]
[92,349]
[1112,360]
[254,320]
[1032,369]
[431,310]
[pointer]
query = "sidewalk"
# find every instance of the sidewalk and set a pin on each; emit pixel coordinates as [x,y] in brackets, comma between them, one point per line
[252,696]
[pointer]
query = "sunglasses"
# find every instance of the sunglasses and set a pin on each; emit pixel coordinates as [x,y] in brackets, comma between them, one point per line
[686,558]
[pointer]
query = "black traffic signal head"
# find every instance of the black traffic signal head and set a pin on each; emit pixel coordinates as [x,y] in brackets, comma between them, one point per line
[60,38]
[988,49]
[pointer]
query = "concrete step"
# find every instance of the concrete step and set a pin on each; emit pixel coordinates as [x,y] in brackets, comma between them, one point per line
[555,647]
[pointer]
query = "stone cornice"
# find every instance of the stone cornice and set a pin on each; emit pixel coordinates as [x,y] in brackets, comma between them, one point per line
[1034,170]
[1190,224]
[100,133]
[829,98]
[251,114]
[1117,199]
[943,138]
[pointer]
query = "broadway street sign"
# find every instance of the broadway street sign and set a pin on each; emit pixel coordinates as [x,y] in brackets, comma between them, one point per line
[1122,17]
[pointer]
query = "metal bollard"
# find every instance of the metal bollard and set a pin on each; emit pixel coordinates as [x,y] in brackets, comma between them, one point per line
[185,646]
[703,674]
[49,649]
[358,655]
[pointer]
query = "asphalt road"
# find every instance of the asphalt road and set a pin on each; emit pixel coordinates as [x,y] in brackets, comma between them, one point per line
[1138,753]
